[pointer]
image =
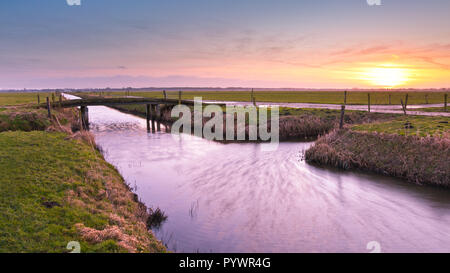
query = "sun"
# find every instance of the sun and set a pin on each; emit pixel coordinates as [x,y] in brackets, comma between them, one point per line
[386,76]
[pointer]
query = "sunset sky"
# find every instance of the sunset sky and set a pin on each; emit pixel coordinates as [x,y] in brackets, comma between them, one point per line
[222,43]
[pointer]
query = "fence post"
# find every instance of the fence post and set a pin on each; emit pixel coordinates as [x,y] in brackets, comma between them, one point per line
[164,94]
[406,102]
[252,97]
[368,101]
[39,99]
[158,117]
[152,116]
[345,97]
[84,117]
[403,106]
[148,117]
[48,108]
[341,123]
[53,97]
[179,97]
[445,102]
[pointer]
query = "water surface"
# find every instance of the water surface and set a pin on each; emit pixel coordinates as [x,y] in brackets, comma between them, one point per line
[236,198]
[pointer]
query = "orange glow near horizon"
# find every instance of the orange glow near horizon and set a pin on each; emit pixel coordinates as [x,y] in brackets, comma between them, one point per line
[387,76]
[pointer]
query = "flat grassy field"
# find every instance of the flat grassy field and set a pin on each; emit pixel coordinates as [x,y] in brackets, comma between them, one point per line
[13,98]
[410,125]
[330,97]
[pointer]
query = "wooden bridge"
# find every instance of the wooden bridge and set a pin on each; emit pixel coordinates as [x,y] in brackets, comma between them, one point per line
[119,101]
[153,109]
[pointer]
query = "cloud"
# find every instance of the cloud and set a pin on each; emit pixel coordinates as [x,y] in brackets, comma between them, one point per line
[120,81]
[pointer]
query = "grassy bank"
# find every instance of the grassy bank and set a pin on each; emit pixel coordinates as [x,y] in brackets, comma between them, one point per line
[56,188]
[24,119]
[17,98]
[330,97]
[423,126]
[422,160]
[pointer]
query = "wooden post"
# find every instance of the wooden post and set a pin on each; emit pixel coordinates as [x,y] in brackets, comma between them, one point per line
[152,116]
[39,99]
[60,100]
[179,97]
[48,108]
[403,106]
[158,117]
[84,117]
[82,109]
[368,101]
[165,95]
[252,96]
[148,117]
[406,102]
[341,123]
[345,97]
[445,102]
[53,97]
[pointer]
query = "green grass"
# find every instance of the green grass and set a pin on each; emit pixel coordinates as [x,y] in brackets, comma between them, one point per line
[24,119]
[331,113]
[331,97]
[16,98]
[91,202]
[37,167]
[409,125]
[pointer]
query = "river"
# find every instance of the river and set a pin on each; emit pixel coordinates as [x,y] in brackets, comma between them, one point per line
[237,198]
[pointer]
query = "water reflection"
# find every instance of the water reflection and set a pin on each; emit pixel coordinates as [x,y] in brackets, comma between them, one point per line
[236,198]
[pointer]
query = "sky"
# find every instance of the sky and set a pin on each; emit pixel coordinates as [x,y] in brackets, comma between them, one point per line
[225,43]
